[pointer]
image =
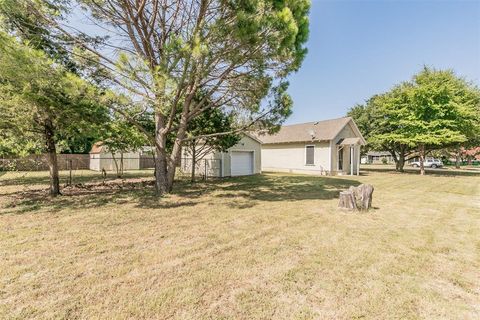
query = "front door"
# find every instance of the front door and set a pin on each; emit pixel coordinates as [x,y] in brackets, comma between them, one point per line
[340,159]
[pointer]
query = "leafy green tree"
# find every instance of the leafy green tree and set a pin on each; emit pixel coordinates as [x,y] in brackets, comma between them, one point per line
[43,103]
[208,123]
[17,19]
[238,53]
[434,110]
[121,137]
[373,125]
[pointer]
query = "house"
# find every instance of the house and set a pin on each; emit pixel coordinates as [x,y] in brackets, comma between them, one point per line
[328,147]
[102,159]
[377,157]
[242,159]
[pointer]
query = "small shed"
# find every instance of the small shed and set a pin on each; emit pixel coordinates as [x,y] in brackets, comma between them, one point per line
[102,159]
[242,159]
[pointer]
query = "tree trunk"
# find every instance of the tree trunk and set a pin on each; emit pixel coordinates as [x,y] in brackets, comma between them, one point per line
[116,165]
[400,159]
[457,158]
[347,200]
[121,164]
[176,154]
[395,159]
[52,158]
[161,186]
[401,162]
[166,164]
[194,160]
[421,152]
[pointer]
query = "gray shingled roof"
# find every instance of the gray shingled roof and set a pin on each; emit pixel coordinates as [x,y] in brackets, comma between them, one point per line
[322,131]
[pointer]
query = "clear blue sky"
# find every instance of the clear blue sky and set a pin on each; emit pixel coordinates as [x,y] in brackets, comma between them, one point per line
[360,48]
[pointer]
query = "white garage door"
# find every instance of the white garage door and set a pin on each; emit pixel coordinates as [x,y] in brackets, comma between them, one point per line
[242,163]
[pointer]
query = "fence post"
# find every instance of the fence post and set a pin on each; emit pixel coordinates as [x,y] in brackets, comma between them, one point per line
[205,172]
[70,178]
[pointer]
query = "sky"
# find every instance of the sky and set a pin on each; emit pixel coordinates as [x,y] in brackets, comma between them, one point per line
[361,48]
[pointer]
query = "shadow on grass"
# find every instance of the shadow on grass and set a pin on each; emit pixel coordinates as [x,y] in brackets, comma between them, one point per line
[283,188]
[428,171]
[240,193]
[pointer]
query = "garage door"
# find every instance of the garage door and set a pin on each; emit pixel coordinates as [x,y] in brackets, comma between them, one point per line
[242,163]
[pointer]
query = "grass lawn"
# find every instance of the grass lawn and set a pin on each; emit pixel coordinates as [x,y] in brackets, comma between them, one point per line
[272,246]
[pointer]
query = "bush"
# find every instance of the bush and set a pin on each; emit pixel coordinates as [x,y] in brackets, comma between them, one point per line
[384,160]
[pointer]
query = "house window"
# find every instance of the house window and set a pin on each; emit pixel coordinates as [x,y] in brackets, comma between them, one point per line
[310,155]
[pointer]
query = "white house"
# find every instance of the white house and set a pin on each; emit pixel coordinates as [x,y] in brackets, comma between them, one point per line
[328,147]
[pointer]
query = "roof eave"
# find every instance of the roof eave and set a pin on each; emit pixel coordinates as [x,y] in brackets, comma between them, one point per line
[298,141]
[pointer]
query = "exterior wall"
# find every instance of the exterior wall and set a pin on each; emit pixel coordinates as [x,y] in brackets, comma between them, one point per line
[346,132]
[99,161]
[245,144]
[95,162]
[346,159]
[379,159]
[291,157]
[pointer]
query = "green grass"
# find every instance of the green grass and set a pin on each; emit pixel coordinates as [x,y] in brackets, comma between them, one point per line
[272,246]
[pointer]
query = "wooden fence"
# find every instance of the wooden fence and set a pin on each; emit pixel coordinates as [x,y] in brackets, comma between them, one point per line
[39,162]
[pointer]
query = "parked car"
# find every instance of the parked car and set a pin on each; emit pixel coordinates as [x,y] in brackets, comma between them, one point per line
[428,163]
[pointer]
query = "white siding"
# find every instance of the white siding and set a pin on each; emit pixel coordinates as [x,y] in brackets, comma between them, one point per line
[225,158]
[346,132]
[99,161]
[290,157]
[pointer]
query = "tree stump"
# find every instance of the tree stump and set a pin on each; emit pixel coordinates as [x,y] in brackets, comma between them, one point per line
[363,195]
[347,200]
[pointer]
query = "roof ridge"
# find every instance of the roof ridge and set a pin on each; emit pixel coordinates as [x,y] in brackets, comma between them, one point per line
[303,123]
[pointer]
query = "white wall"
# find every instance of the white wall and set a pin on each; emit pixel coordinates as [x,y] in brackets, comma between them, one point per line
[245,144]
[346,132]
[291,157]
[99,161]
[224,158]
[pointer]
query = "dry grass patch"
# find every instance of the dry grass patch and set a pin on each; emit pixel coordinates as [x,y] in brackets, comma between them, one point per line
[265,247]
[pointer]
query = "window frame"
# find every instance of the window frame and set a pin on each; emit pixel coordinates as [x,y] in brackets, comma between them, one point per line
[306,148]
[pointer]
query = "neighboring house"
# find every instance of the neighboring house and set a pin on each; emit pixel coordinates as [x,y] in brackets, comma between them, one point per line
[102,159]
[376,157]
[327,147]
[242,159]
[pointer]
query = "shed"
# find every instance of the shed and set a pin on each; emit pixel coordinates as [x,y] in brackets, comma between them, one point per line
[102,159]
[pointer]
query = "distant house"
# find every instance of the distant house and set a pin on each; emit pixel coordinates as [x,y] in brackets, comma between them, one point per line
[328,147]
[242,159]
[377,157]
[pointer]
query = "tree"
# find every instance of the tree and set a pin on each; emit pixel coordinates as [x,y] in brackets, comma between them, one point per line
[238,53]
[434,110]
[17,20]
[207,123]
[121,137]
[373,125]
[43,103]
